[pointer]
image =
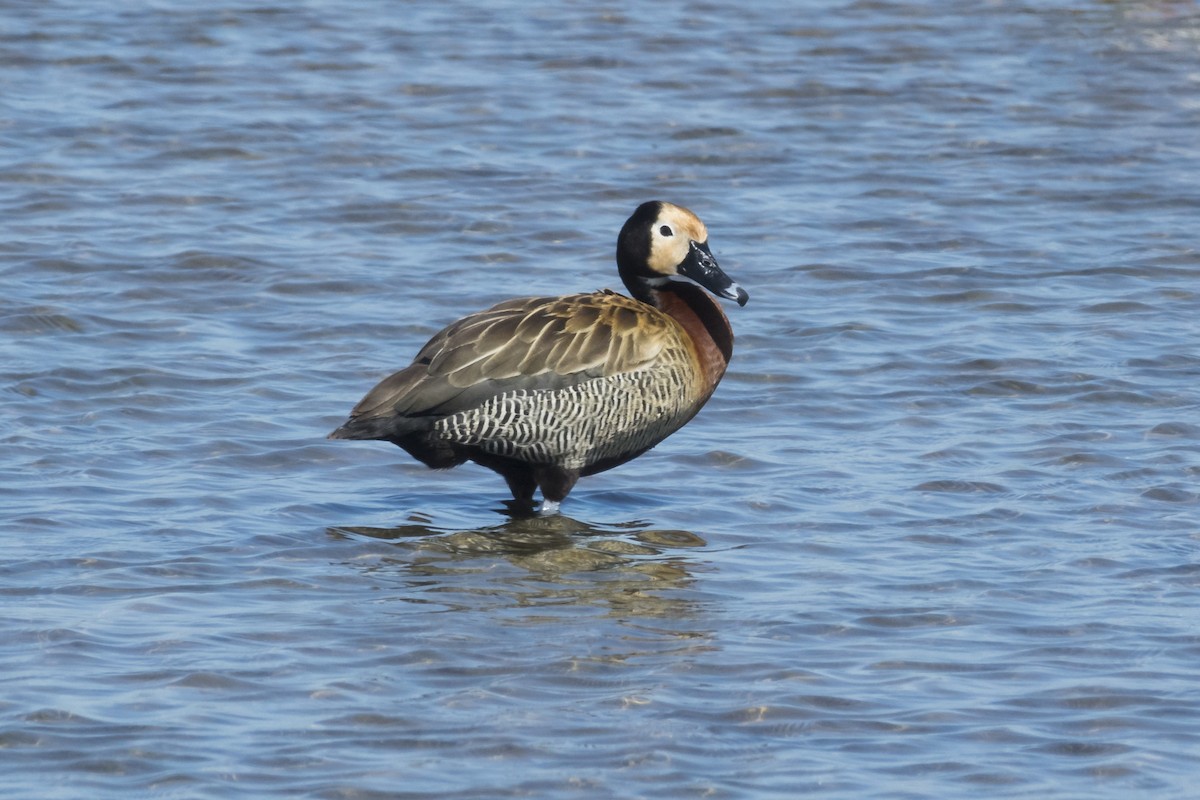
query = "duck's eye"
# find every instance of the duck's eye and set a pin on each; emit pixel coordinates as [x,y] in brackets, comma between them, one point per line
[665,230]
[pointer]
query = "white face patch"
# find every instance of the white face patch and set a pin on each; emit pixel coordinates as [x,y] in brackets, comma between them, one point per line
[671,238]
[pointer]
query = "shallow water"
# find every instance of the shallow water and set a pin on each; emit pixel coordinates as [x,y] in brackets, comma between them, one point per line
[935,534]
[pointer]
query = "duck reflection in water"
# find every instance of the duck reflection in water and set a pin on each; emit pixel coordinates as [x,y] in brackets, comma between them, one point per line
[637,564]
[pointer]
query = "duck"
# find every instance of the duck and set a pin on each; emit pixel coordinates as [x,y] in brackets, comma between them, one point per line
[546,390]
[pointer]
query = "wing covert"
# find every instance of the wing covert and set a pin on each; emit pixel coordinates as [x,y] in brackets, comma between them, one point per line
[528,343]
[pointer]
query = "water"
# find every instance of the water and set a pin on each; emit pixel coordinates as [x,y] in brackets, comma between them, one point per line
[934,536]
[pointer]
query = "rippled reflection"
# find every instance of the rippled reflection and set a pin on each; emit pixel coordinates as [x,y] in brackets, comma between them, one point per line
[627,567]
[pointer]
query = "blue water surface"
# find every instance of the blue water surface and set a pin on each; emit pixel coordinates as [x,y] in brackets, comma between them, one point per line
[935,535]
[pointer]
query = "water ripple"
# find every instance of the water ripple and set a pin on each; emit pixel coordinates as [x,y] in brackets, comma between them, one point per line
[934,534]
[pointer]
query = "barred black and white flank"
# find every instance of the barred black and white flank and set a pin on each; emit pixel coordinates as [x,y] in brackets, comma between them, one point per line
[544,390]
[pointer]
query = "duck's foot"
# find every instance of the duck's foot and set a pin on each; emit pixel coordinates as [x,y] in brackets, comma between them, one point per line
[549,508]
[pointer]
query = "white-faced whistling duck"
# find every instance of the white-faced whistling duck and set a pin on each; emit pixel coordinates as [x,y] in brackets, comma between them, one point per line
[544,390]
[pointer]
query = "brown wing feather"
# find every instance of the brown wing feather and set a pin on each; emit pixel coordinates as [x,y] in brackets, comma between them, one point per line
[528,343]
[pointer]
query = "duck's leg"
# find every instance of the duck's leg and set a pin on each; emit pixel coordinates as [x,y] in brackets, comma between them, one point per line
[522,485]
[556,483]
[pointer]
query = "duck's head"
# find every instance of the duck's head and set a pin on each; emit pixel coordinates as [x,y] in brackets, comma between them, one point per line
[661,241]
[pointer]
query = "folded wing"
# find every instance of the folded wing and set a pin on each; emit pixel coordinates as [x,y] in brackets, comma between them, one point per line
[532,343]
